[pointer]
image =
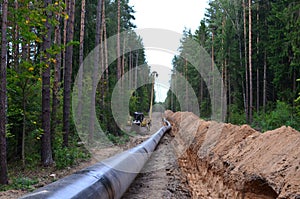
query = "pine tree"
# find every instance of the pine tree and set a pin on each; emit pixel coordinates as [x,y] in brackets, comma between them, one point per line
[119,70]
[81,48]
[46,151]
[3,97]
[68,72]
[250,64]
[56,78]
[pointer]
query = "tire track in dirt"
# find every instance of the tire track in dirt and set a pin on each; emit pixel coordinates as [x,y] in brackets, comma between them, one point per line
[161,176]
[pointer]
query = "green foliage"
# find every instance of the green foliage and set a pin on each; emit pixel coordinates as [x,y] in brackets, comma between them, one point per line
[281,115]
[236,116]
[122,139]
[298,98]
[275,55]
[22,183]
[69,156]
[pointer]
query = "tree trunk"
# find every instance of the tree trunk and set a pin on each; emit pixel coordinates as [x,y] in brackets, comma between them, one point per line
[105,48]
[250,66]
[80,72]
[211,81]
[224,63]
[24,124]
[98,23]
[56,81]
[103,57]
[129,69]
[46,152]
[68,74]
[246,100]
[186,86]
[3,97]
[265,82]
[95,74]
[67,4]
[258,60]
[118,41]
[16,51]
[257,90]
[123,57]
[136,67]
[241,64]
[81,37]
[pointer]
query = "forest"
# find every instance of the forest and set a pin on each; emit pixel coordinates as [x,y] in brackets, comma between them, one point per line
[254,44]
[43,43]
[255,47]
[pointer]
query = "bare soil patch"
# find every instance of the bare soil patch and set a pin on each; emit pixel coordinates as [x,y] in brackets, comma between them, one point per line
[229,161]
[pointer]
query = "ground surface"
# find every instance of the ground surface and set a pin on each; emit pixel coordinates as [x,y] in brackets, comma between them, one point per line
[229,161]
[202,159]
[161,177]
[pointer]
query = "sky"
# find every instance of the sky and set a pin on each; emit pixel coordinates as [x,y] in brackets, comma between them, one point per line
[174,15]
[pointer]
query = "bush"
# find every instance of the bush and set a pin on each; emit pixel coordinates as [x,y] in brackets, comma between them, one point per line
[68,156]
[23,183]
[122,139]
[236,116]
[281,115]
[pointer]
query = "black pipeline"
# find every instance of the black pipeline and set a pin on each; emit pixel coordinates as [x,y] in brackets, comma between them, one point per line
[108,179]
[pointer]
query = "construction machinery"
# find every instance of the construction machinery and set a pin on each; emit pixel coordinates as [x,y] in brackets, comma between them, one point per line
[139,120]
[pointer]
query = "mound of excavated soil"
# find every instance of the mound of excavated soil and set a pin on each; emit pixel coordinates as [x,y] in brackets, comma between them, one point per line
[229,161]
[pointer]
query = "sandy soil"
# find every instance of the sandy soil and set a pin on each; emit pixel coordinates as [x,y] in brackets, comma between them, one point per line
[203,159]
[161,176]
[229,161]
[45,178]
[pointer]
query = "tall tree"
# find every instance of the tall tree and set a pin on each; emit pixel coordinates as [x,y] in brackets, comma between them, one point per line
[118,40]
[57,78]
[250,64]
[68,72]
[246,92]
[80,72]
[46,151]
[258,60]
[81,37]
[3,97]
[186,84]
[105,47]
[95,73]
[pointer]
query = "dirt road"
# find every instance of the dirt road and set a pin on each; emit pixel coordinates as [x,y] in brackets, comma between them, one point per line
[161,176]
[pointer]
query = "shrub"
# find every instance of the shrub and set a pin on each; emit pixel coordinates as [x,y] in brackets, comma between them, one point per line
[281,115]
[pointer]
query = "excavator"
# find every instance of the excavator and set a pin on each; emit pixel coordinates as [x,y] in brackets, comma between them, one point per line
[139,120]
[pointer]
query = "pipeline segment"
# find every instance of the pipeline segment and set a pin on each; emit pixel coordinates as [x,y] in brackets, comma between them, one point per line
[108,179]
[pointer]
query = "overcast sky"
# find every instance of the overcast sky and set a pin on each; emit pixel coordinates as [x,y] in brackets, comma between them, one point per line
[174,15]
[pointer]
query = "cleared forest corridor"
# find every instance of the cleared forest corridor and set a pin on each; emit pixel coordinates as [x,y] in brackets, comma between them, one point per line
[74,75]
[206,159]
[221,161]
[161,177]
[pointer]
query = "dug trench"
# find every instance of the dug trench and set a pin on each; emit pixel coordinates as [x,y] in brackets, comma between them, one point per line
[208,160]
[220,160]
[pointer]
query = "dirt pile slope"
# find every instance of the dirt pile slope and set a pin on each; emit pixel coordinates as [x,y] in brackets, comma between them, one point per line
[229,161]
